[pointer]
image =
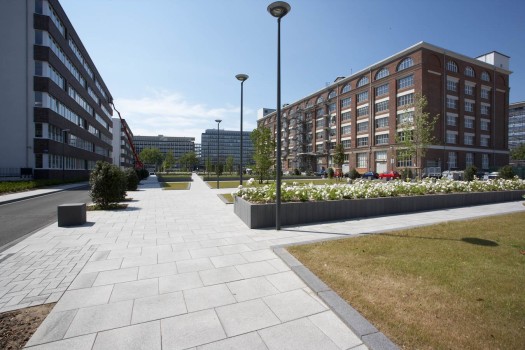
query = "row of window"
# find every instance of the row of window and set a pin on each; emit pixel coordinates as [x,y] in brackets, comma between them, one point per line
[54,161]
[469,106]
[452,85]
[468,139]
[469,71]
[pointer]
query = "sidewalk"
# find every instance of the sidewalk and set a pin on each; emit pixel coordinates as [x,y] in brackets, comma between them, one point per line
[14,197]
[178,270]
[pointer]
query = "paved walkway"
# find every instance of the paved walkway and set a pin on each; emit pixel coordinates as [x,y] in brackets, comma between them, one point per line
[178,270]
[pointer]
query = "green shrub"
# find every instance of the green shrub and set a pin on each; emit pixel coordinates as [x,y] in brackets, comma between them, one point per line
[108,185]
[470,172]
[132,180]
[506,172]
[297,172]
[354,174]
[142,174]
[331,173]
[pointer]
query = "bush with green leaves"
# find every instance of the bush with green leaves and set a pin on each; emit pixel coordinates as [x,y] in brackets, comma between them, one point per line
[331,173]
[470,172]
[297,171]
[132,179]
[506,172]
[354,174]
[142,174]
[108,185]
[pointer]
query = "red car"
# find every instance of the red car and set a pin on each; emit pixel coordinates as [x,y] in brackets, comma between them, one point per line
[389,175]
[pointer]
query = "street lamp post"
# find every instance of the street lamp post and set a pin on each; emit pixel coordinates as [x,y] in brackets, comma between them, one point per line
[242,78]
[278,9]
[218,121]
[64,140]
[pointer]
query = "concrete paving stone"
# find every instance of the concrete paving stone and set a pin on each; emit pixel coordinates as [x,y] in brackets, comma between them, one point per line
[145,336]
[292,305]
[54,297]
[208,297]
[286,281]
[299,334]
[336,330]
[158,270]
[194,238]
[185,331]
[259,255]
[228,260]
[18,286]
[157,307]
[246,341]
[102,265]
[78,298]
[185,246]
[16,299]
[124,253]
[194,265]
[135,290]
[142,243]
[40,299]
[204,252]
[240,238]
[255,269]
[116,276]
[252,288]
[245,317]
[221,275]
[183,281]
[101,317]
[53,328]
[214,243]
[169,240]
[84,342]
[360,347]
[279,265]
[234,248]
[166,248]
[34,292]
[139,261]
[173,256]
[6,308]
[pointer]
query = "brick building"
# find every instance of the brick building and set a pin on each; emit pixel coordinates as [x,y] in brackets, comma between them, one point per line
[364,111]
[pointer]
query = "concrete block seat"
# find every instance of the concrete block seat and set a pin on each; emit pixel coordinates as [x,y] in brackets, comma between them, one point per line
[71,214]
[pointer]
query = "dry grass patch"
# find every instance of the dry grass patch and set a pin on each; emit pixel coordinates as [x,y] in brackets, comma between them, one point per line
[16,327]
[457,285]
[176,185]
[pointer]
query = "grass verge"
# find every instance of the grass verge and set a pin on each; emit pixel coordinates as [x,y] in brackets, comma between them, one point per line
[227,198]
[455,285]
[21,186]
[175,185]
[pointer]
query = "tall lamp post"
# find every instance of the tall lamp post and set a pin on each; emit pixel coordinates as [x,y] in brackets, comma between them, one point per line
[242,78]
[64,141]
[218,121]
[278,9]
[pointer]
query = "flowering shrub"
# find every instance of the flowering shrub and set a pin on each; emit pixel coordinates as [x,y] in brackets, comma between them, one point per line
[373,189]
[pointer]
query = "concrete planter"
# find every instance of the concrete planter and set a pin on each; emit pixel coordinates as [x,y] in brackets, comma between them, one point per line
[297,213]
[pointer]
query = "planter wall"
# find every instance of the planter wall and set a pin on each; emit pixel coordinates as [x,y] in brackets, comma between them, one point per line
[296,213]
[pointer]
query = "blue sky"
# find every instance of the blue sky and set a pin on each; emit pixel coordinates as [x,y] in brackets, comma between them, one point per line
[171,64]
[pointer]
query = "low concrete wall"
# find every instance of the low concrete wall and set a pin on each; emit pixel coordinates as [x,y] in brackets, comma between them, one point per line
[296,213]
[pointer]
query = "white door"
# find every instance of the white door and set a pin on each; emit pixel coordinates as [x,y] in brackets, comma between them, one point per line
[380,167]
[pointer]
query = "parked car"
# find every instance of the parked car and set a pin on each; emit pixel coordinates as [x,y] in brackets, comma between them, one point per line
[491,176]
[389,175]
[370,175]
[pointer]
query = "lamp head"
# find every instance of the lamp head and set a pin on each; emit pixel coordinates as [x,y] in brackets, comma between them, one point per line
[279,9]
[241,77]
[218,120]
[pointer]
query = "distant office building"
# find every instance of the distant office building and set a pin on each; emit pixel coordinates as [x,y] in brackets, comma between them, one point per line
[365,112]
[122,150]
[56,111]
[229,145]
[166,144]
[516,124]
[263,112]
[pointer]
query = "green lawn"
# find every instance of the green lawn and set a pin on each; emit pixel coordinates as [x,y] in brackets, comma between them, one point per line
[20,186]
[227,197]
[176,185]
[457,285]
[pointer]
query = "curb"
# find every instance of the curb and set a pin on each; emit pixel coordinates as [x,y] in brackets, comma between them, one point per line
[366,331]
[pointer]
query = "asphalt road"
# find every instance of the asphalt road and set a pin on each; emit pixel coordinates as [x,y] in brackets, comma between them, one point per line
[20,218]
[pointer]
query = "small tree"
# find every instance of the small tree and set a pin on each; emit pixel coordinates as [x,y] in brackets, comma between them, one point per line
[518,152]
[264,148]
[189,160]
[208,165]
[339,155]
[132,180]
[228,167]
[470,172]
[152,156]
[506,172]
[108,185]
[169,161]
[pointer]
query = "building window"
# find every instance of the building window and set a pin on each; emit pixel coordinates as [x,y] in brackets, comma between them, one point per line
[319,135]
[347,129]
[406,63]
[362,160]
[452,85]
[382,123]
[38,99]
[452,120]
[362,96]
[382,106]
[405,118]
[484,93]
[452,66]
[346,116]
[362,141]
[309,104]
[485,124]
[363,81]
[38,130]
[346,102]
[485,110]
[405,82]
[484,161]
[319,123]
[346,144]
[362,111]
[484,141]
[469,106]
[469,123]
[452,137]
[452,160]
[485,76]
[332,94]
[331,108]
[362,127]
[452,103]
[469,159]
[469,72]
[320,112]
[346,88]
[468,139]
[381,155]
[405,100]
[404,159]
[382,139]
[403,136]
[382,73]
[469,90]
[320,99]
[382,90]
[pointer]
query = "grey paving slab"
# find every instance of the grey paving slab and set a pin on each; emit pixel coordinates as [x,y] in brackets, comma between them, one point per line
[183,281]
[139,261]
[194,329]
[208,297]
[164,257]
[124,253]
[144,336]
[246,341]
[336,330]
[157,307]
[102,265]
[255,269]
[157,270]
[292,305]
[53,328]
[84,342]
[135,289]
[220,275]
[252,288]
[101,317]
[228,260]
[74,299]
[204,252]
[194,265]
[286,281]
[245,317]
[259,255]
[116,276]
